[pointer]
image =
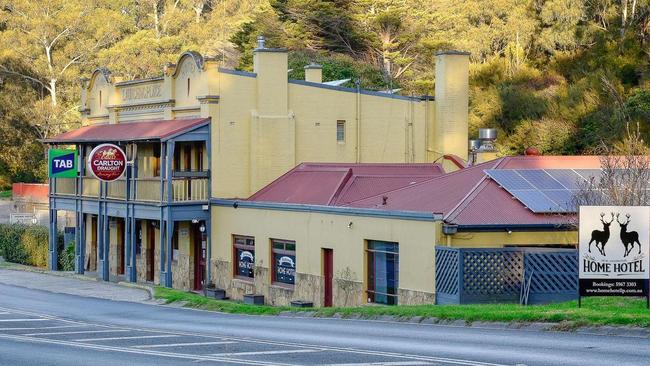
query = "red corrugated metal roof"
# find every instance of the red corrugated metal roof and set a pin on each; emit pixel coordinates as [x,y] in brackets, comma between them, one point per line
[491,204]
[465,197]
[129,131]
[336,184]
[438,195]
[469,197]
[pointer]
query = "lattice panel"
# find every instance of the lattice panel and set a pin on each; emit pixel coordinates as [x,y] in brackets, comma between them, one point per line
[446,271]
[553,272]
[492,272]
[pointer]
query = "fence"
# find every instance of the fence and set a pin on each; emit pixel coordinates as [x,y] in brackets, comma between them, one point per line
[517,275]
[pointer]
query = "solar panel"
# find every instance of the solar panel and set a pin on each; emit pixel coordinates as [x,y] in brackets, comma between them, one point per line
[589,174]
[536,201]
[544,190]
[567,177]
[509,179]
[540,179]
[563,198]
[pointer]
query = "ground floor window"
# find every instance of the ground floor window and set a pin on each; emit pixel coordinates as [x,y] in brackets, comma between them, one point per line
[383,272]
[284,261]
[244,256]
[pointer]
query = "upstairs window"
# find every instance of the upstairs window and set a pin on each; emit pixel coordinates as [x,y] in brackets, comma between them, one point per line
[340,131]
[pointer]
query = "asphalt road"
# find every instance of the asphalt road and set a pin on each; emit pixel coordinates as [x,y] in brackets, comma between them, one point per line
[44,328]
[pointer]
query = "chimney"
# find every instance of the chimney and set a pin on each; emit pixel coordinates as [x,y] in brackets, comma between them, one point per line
[261,42]
[314,73]
[271,67]
[452,99]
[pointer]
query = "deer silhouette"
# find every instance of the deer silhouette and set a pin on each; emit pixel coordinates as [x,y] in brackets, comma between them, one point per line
[629,238]
[601,237]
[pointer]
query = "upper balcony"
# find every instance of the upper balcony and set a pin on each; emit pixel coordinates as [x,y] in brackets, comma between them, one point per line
[167,162]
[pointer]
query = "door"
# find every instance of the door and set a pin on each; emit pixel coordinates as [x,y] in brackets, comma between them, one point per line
[200,248]
[151,245]
[120,246]
[328,275]
[91,256]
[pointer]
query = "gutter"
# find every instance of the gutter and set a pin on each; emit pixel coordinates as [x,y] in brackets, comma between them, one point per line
[515,227]
[335,210]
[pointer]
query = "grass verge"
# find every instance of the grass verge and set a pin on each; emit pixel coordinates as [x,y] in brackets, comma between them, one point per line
[193,300]
[5,194]
[594,312]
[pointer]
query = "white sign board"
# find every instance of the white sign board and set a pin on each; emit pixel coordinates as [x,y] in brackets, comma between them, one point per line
[614,250]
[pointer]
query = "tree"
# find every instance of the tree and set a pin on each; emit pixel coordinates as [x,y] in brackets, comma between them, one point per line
[50,38]
[393,38]
[625,176]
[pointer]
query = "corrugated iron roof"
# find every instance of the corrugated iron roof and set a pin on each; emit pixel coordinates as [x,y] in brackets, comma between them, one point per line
[439,195]
[129,131]
[336,184]
[464,197]
[469,197]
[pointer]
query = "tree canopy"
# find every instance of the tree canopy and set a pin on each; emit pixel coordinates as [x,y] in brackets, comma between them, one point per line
[563,75]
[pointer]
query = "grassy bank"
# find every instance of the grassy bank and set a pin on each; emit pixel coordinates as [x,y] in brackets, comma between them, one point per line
[193,300]
[594,311]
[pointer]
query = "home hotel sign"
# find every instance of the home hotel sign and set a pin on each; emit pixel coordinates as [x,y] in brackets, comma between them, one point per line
[107,162]
[614,250]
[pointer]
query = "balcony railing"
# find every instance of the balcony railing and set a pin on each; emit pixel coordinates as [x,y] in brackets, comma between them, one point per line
[146,189]
[116,189]
[64,186]
[90,187]
[189,189]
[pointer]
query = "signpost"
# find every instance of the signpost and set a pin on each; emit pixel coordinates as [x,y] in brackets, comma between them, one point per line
[62,163]
[614,251]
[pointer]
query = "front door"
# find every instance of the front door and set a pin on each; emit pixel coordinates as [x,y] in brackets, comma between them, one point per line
[200,247]
[120,246]
[151,245]
[91,256]
[328,275]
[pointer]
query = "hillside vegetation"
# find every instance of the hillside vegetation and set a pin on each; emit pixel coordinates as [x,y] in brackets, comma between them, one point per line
[564,75]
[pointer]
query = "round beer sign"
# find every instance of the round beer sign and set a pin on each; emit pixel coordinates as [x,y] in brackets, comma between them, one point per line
[107,162]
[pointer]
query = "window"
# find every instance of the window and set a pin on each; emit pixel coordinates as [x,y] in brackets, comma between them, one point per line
[284,261]
[188,87]
[100,99]
[340,131]
[383,272]
[244,256]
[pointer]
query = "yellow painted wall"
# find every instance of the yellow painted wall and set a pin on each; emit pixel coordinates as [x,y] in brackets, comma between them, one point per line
[313,231]
[263,125]
[500,239]
[452,95]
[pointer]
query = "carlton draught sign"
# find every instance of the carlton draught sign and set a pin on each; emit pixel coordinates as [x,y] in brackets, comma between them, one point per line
[107,162]
[614,250]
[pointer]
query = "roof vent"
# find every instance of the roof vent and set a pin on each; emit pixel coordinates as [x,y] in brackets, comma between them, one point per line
[261,42]
[487,136]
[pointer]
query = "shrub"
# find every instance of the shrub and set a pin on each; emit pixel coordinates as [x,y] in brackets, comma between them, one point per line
[66,258]
[10,249]
[28,245]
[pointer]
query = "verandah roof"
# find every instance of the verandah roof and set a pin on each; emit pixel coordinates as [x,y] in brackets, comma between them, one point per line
[129,131]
